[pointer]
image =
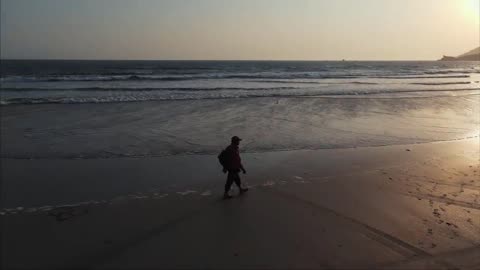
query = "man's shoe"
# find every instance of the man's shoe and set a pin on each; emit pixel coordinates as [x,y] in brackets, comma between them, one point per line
[227,196]
[243,190]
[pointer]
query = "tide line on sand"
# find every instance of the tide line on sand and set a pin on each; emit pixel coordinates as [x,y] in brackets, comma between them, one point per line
[138,196]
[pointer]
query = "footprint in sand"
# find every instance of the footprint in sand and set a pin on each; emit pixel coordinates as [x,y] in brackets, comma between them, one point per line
[118,199]
[451,224]
[67,212]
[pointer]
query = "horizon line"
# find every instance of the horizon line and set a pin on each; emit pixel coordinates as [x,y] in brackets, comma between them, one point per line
[217,60]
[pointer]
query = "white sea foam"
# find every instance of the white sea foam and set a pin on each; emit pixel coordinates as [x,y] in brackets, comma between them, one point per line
[160,196]
[206,193]
[183,193]
[268,183]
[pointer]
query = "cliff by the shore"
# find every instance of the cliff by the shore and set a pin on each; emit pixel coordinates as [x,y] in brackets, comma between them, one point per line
[473,55]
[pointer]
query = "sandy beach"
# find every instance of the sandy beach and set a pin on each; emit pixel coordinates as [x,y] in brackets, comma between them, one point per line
[394,207]
[351,142]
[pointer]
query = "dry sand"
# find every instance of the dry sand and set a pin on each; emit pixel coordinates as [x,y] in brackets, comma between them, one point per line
[394,207]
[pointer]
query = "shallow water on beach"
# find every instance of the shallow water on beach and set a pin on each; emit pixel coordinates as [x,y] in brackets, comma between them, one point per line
[148,129]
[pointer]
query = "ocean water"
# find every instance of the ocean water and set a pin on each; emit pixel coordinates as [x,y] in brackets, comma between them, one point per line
[39,82]
[112,109]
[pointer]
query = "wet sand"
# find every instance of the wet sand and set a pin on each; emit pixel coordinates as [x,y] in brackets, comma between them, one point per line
[395,207]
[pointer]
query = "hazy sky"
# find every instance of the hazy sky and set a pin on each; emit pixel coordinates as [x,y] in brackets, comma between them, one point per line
[238,29]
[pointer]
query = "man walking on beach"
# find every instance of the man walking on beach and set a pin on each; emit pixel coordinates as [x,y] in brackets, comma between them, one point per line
[231,162]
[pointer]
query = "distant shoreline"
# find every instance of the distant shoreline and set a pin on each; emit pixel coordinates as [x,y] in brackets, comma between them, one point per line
[469,58]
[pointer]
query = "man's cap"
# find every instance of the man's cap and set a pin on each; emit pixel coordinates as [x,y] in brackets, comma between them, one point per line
[236,139]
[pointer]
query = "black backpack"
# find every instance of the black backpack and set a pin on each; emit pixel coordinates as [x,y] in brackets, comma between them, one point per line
[223,158]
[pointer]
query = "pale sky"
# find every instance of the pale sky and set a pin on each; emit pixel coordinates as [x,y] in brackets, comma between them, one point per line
[238,29]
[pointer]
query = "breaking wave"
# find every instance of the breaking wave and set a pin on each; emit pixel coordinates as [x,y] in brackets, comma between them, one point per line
[151,95]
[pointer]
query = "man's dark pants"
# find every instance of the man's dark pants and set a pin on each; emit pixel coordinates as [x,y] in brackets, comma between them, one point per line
[232,177]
